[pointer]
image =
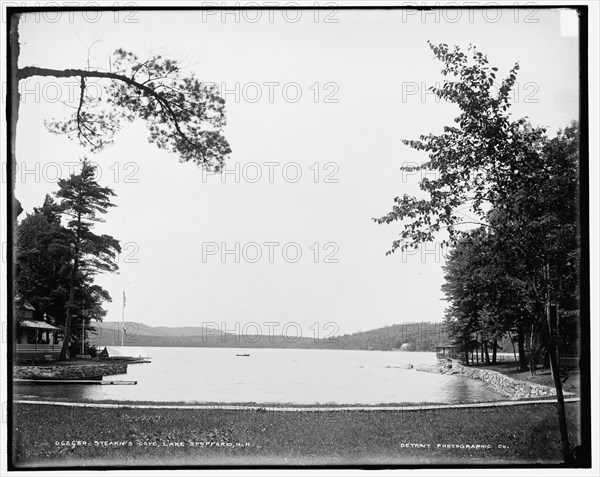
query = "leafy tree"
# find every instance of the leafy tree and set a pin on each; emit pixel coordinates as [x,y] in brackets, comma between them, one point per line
[474,162]
[485,299]
[83,200]
[489,165]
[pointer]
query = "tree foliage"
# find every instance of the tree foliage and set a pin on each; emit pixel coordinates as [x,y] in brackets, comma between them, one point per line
[521,187]
[44,263]
[475,161]
[183,115]
[83,201]
[486,299]
[41,272]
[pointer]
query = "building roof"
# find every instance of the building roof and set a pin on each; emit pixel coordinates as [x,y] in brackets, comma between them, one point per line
[445,345]
[25,305]
[42,325]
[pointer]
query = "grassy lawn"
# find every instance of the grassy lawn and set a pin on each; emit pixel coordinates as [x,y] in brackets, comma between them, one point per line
[46,435]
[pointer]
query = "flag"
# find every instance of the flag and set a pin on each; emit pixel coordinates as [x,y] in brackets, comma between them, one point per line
[124,298]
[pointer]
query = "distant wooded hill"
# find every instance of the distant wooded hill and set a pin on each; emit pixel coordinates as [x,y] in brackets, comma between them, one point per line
[415,336]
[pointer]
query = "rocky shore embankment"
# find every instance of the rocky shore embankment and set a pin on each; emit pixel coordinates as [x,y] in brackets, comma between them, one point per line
[498,382]
[76,371]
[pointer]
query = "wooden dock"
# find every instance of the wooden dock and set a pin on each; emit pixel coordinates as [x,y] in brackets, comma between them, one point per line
[73,381]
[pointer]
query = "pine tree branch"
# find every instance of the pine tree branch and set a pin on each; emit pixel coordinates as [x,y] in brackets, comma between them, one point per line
[29,71]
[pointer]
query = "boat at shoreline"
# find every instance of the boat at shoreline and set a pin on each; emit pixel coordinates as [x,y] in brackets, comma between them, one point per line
[131,355]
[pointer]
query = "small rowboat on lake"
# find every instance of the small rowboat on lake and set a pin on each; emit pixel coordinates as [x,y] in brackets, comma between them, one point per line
[242,354]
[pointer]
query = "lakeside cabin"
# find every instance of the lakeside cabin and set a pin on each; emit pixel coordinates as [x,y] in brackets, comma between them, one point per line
[445,351]
[36,340]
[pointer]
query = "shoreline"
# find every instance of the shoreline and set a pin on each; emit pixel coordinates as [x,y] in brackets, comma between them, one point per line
[495,378]
[288,407]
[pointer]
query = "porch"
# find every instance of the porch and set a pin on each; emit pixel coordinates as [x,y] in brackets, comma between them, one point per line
[37,341]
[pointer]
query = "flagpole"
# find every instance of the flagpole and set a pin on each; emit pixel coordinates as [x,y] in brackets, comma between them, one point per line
[123,319]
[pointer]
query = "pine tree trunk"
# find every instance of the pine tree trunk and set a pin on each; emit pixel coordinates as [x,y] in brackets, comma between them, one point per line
[64,351]
[532,357]
[522,362]
[548,332]
[555,369]
[543,310]
[512,341]
[486,351]
[494,351]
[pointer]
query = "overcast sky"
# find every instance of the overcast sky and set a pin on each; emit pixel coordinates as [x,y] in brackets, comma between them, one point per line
[328,96]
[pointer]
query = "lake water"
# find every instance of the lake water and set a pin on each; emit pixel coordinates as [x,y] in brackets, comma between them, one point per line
[202,375]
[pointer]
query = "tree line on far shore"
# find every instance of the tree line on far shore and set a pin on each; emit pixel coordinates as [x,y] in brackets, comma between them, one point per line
[423,336]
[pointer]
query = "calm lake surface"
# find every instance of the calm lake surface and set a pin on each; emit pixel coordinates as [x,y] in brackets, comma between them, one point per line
[201,375]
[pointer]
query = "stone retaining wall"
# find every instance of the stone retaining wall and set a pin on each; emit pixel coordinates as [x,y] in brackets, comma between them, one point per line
[498,382]
[76,371]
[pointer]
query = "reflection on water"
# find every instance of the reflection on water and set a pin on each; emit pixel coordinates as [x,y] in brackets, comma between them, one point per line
[277,376]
